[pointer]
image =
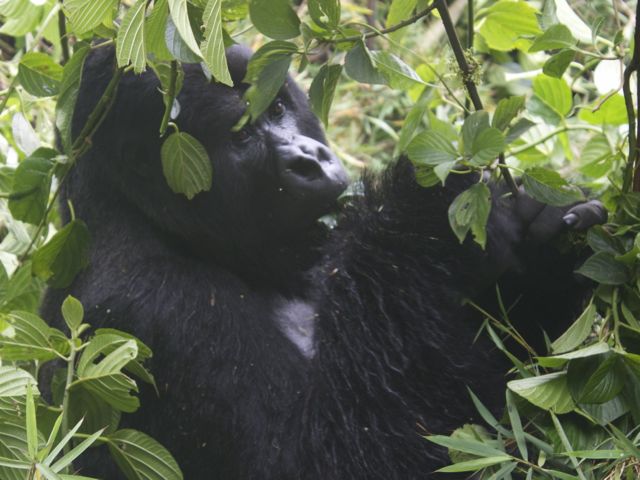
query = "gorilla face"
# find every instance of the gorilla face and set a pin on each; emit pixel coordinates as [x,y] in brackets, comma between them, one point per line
[275,175]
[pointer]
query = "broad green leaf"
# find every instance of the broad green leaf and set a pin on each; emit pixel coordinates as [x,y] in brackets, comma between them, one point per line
[516,130]
[64,256]
[72,312]
[398,11]
[470,211]
[212,46]
[180,17]
[568,17]
[155,28]
[607,412]
[130,43]
[265,89]
[554,92]
[85,15]
[557,361]
[602,267]
[555,37]
[186,164]
[577,332]
[558,63]
[596,157]
[506,111]
[548,392]
[275,18]
[486,146]
[322,91]
[595,379]
[474,465]
[474,124]
[31,186]
[507,23]
[413,120]
[140,457]
[39,74]
[24,135]
[325,13]
[612,112]
[426,176]
[566,444]
[360,66]
[14,381]
[31,339]
[177,46]
[270,52]
[398,74]
[68,95]
[431,148]
[549,187]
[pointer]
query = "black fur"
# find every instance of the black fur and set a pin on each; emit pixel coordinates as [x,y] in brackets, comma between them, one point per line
[203,282]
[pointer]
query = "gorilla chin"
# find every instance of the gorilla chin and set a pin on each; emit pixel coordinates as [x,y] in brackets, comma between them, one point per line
[283,352]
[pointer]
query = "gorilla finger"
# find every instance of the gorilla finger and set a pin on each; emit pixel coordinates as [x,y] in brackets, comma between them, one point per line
[585,215]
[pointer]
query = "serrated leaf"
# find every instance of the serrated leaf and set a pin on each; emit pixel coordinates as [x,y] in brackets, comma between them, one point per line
[85,15]
[557,64]
[431,148]
[140,457]
[507,23]
[67,253]
[555,37]
[155,28]
[186,164]
[549,187]
[506,111]
[603,268]
[322,91]
[549,392]
[31,186]
[473,125]
[180,17]
[470,211]
[554,92]
[39,74]
[486,146]
[577,332]
[212,46]
[130,42]
[275,18]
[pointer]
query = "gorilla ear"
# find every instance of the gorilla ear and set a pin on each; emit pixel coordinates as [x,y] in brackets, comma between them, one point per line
[237,59]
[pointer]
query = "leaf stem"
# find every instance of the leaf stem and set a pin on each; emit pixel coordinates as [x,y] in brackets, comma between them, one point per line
[169,97]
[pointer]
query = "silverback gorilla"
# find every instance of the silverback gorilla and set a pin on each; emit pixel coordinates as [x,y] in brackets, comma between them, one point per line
[283,350]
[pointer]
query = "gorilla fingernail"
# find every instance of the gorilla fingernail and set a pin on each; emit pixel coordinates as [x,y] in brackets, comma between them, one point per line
[570,219]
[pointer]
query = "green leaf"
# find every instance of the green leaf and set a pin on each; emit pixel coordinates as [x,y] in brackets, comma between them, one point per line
[566,444]
[85,15]
[39,74]
[74,453]
[506,111]
[507,24]
[611,112]
[155,29]
[142,458]
[186,164]
[470,211]
[554,92]
[596,157]
[577,332]
[68,95]
[31,338]
[557,64]
[474,124]
[431,148]
[325,13]
[466,445]
[398,74]
[595,379]
[212,46]
[32,425]
[14,382]
[549,392]
[265,89]
[555,37]
[549,187]
[602,267]
[322,91]
[275,18]
[31,186]
[475,465]
[399,11]
[180,17]
[557,361]
[413,120]
[516,425]
[360,66]
[607,412]
[486,146]
[64,256]
[73,312]
[130,43]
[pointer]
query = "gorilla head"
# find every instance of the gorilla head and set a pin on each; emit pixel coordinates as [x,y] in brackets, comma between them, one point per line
[272,178]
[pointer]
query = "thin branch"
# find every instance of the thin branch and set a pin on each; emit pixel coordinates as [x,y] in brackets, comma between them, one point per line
[64,40]
[393,28]
[470,34]
[632,171]
[456,46]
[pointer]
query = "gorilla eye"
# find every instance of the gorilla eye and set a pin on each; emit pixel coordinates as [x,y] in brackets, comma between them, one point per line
[241,136]
[278,108]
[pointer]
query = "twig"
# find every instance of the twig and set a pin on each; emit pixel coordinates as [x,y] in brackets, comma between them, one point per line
[470,33]
[391,29]
[64,40]
[454,41]
[169,96]
[632,171]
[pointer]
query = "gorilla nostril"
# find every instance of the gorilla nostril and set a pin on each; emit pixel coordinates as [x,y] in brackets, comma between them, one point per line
[324,154]
[305,167]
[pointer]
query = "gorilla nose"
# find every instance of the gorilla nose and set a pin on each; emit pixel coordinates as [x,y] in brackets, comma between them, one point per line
[306,163]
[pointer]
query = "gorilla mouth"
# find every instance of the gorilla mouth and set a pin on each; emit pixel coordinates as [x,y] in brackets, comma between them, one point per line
[309,169]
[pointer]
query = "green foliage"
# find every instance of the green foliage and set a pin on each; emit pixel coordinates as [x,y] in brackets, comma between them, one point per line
[572,411]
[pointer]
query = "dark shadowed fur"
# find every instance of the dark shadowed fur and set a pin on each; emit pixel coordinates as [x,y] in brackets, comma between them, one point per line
[209,285]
